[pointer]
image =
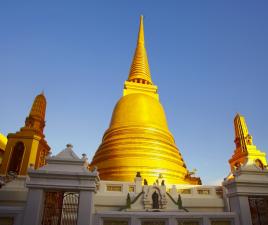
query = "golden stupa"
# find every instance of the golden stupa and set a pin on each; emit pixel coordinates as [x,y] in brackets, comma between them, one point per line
[138,139]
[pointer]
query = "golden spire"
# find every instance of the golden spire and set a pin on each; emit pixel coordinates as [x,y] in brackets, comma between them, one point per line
[140,71]
[241,132]
[246,152]
[36,118]
[39,106]
[141,32]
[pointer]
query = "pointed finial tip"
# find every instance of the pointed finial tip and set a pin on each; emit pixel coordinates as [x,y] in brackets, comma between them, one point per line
[238,114]
[141,19]
[141,31]
[42,92]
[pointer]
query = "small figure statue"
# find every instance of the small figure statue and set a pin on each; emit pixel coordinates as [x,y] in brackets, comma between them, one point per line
[259,164]
[84,157]
[138,174]
[163,183]
[193,172]
[237,166]
[95,169]
[157,182]
[145,182]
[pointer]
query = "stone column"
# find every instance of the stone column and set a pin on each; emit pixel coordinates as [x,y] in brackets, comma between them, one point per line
[206,220]
[34,207]
[172,221]
[240,205]
[138,183]
[85,208]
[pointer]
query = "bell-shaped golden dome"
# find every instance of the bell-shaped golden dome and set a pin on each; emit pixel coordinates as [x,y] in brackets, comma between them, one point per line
[138,139]
[139,109]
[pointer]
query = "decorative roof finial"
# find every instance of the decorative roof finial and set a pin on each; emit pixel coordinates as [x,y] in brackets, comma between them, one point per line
[141,32]
[69,146]
[38,109]
[140,71]
[246,152]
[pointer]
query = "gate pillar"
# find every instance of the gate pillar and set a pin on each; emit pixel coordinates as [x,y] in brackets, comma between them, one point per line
[248,181]
[33,207]
[85,208]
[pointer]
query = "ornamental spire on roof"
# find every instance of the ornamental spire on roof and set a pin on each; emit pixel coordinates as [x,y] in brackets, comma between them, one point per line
[39,106]
[140,71]
[36,118]
[242,137]
[245,152]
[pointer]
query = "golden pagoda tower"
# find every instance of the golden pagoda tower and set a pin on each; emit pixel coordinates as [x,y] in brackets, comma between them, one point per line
[246,152]
[138,138]
[28,146]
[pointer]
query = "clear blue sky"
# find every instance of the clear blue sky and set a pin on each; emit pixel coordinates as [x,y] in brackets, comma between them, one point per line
[209,59]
